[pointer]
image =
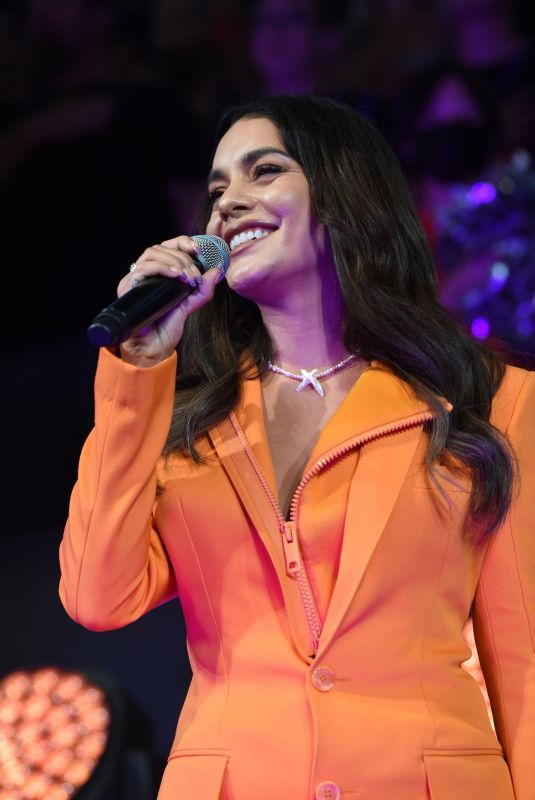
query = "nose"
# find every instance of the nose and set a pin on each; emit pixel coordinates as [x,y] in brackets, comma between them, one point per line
[234,200]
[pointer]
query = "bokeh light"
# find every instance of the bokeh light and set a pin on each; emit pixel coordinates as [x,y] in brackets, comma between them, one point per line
[481,193]
[480,328]
[485,240]
[54,729]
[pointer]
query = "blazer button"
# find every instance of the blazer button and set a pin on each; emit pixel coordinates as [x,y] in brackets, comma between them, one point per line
[327,790]
[322,679]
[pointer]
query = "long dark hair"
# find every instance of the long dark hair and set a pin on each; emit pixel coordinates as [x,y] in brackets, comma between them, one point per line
[391,311]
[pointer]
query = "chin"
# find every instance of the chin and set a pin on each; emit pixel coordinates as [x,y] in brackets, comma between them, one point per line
[245,279]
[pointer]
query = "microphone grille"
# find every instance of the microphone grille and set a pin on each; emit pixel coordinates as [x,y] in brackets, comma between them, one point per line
[215,252]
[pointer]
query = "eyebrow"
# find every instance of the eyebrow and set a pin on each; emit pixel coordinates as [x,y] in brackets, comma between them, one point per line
[248,159]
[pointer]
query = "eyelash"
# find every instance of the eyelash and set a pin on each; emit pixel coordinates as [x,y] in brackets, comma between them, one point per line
[265,169]
[258,172]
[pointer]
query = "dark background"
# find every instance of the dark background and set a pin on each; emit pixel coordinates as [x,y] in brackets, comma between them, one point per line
[106,119]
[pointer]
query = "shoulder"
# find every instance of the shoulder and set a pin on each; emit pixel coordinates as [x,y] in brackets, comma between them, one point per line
[516,395]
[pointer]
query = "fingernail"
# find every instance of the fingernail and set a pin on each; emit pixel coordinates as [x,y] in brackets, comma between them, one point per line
[193,282]
[175,270]
[198,280]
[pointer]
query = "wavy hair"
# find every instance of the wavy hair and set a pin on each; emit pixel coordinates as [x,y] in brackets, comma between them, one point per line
[392,313]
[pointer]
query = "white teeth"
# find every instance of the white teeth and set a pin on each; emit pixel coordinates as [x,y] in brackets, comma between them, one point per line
[246,236]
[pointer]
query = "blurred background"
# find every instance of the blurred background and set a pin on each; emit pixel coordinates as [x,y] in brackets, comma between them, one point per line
[107,109]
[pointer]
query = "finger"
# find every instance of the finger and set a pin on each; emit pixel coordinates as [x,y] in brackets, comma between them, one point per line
[165,255]
[204,292]
[185,243]
[210,279]
[147,269]
[191,276]
[161,260]
[179,259]
[142,269]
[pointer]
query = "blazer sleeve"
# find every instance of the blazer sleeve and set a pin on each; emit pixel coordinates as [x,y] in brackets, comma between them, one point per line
[114,566]
[504,608]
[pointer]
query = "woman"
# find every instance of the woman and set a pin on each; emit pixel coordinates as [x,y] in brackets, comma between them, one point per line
[328,538]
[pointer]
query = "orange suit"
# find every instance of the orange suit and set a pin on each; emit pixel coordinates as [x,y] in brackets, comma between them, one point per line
[312,681]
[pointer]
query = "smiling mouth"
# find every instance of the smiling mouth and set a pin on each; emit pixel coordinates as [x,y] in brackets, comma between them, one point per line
[247,236]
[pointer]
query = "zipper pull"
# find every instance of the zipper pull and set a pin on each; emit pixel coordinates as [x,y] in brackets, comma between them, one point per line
[291,548]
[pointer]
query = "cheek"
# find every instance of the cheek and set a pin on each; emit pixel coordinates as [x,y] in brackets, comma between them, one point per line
[303,231]
[293,209]
[213,225]
[320,237]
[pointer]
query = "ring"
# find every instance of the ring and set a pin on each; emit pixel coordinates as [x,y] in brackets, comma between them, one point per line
[133,266]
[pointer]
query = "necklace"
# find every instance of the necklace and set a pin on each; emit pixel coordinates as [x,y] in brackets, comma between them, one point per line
[311,377]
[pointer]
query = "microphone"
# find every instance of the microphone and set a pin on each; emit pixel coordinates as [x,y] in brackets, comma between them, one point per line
[153,296]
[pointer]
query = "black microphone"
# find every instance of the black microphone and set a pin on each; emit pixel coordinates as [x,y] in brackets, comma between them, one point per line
[153,296]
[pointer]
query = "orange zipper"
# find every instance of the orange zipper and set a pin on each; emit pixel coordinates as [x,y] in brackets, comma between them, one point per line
[290,539]
[365,438]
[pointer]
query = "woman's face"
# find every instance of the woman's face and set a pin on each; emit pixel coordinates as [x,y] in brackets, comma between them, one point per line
[261,207]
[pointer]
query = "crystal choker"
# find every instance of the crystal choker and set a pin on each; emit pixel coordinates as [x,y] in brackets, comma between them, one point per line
[311,377]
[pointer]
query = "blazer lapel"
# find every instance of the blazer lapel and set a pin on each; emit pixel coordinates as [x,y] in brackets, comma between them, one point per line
[382,417]
[380,473]
[386,418]
[254,492]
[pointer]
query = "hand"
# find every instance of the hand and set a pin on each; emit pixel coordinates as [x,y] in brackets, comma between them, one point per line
[172,259]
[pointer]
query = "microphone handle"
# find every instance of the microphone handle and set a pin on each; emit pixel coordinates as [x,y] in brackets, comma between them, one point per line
[138,307]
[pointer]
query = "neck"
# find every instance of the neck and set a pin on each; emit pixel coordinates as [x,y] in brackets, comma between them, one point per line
[305,334]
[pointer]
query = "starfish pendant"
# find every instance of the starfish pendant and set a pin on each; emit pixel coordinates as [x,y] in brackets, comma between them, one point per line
[310,379]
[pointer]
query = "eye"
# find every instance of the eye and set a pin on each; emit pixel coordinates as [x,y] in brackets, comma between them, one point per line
[258,172]
[214,196]
[266,169]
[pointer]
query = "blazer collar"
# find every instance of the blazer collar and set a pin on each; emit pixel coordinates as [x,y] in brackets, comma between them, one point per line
[378,399]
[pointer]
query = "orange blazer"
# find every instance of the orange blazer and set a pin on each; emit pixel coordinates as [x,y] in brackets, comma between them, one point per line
[368,700]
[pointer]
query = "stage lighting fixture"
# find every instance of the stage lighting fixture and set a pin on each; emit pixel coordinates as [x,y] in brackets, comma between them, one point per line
[60,736]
